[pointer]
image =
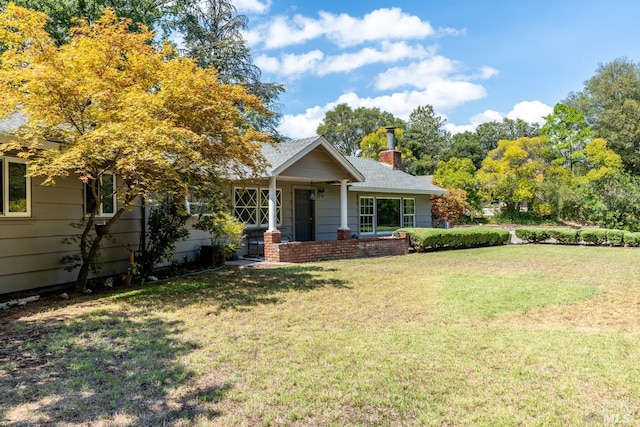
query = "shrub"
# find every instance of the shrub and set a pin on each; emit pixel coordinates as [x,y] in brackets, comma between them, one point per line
[165,227]
[631,239]
[595,236]
[455,238]
[532,235]
[564,236]
[615,237]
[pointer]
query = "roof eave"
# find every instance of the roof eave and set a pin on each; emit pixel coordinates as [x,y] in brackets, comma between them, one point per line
[361,189]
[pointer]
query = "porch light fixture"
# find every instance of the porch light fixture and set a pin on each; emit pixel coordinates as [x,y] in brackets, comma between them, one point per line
[321,191]
[312,195]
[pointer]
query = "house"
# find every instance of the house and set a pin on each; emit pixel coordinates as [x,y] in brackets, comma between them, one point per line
[310,193]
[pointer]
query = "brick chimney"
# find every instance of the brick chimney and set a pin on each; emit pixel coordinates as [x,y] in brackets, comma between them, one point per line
[390,156]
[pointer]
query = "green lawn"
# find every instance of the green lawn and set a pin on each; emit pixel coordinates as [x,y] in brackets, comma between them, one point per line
[513,335]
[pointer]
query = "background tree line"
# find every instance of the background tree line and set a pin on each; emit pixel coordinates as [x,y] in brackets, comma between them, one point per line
[583,164]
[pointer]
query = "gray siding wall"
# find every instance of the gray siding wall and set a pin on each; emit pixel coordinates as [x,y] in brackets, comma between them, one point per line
[316,165]
[31,249]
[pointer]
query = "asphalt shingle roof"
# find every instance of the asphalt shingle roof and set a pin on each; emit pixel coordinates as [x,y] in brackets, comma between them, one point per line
[382,178]
[278,154]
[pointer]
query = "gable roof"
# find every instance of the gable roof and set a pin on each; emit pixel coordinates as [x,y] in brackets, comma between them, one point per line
[372,176]
[380,178]
[284,155]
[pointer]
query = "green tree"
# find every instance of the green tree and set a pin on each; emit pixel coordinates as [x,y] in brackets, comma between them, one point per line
[112,104]
[491,132]
[427,139]
[212,32]
[610,102]
[513,174]
[568,132]
[62,13]
[466,145]
[608,196]
[461,174]
[345,127]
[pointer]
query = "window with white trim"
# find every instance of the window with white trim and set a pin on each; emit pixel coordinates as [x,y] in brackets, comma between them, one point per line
[107,185]
[196,206]
[15,188]
[251,206]
[383,215]
[409,213]
[367,214]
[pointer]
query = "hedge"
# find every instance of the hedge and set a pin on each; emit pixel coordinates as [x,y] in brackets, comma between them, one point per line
[594,236]
[631,239]
[569,236]
[532,235]
[615,237]
[424,239]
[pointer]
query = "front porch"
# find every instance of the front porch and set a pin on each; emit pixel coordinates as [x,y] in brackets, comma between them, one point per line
[343,248]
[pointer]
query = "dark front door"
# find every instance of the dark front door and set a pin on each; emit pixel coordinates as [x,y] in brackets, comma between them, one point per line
[304,230]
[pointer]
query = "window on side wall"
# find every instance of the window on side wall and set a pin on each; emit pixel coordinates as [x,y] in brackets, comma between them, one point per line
[383,215]
[15,188]
[106,184]
[251,206]
[408,213]
[195,206]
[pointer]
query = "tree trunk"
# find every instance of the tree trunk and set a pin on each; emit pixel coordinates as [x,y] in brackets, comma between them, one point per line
[83,274]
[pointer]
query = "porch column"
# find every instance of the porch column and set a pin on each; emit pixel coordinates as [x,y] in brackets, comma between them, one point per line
[344,218]
[343,232]
[272,204]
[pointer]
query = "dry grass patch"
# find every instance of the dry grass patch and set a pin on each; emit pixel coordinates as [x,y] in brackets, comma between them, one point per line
[519,335]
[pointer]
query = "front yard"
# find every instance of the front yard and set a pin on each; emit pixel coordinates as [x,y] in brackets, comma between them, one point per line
[512,335]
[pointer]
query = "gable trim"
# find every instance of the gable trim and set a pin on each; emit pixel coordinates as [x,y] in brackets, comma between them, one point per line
[333,152]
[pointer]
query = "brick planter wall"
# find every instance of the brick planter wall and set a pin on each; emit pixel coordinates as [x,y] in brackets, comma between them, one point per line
[336,249]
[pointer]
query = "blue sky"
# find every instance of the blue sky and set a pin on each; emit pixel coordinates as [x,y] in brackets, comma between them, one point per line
[473,61]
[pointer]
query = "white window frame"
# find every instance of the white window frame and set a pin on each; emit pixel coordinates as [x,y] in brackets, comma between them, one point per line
[4,191]
[260,210]
[370,214]
[101,213]
[406,215]
[193,207]
[374,216]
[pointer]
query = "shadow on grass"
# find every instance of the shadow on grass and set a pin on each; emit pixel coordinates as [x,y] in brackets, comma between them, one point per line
[232,288]
[99,367]
[114,366]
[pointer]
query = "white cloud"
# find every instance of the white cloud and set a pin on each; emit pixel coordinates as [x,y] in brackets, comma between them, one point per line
[530,111]
[418,74]
[381,24]
[303,125]
[343,30]
[290,65]
[478,119]
[314,62]
[255,6]
[442,95]
[389,52]
[424,73]
[484,73]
